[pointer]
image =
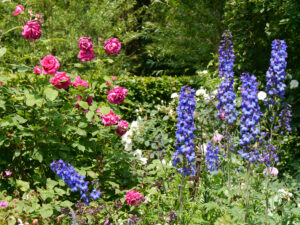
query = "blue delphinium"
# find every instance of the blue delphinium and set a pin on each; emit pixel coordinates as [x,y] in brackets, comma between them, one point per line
[212,157]
[285,119]
[250,117]
[276,72]
[75,181]
[226,96]
[185,155]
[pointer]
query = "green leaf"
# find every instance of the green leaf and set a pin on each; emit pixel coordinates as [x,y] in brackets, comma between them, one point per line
[89,115]
[84,105]
[51,183]
[51,93]
[59,191]
[2,51]
[23,185]
[46,211]
[81,132]
[105,110]
[2,104]
[66,204]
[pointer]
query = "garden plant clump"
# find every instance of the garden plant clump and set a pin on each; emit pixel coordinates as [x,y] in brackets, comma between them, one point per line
[81,147]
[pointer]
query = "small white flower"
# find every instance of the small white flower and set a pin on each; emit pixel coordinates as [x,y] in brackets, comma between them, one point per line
[261,95]
[134,125]
[294,84]
[163,162]
[289,76]
[201,91]
[214,93]
[204,71]
[174,95]
[147,199]
[143,160]
[138,153]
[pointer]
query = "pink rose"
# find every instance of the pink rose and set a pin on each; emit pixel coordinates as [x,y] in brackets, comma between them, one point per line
[270,171]
[50,64]
[217,138]
[6,174]
[112,46]
[117,95]
[85,43]
[37,70]
[133,197]
[100,39]
[38,16]
[80,83]
[3,204]
[122,127]
[89,100]
[19,9]
[86,55]
[30,12]
[110,119]
[1,83]
[60,80]
[107,83]
[32,30]
[113,78]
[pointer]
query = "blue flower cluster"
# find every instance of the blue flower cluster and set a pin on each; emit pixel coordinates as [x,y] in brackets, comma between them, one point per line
[212,160]
[226,96]
[285,119]
[250,117]
[185,154]
[74,180]
[276,72]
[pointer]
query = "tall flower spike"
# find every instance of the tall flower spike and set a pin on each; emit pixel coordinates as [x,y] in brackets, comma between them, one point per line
[212,160]
[226,96]
[185,155]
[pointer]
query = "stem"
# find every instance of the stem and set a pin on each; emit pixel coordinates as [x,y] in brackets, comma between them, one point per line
[247,194]
[228,165]
[181,198]
[267,200]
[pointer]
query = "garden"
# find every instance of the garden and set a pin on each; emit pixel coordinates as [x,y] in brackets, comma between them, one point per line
[155,112]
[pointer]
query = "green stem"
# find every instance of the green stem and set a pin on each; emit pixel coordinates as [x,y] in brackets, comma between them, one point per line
[247,194]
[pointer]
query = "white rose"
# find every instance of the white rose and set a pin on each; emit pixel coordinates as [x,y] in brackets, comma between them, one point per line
[174,95]
[138,153]
[294,84]
[143,160]
[201,91]
[261,95]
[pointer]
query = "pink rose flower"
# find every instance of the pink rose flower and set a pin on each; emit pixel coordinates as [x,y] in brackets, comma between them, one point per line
[217,138]
[60,80]
[32,30]
[122,127]
[85,43]
[100,39]
[107,83]
[3,204]
[6,174]
[270,171]
[86,55]
[80,83]
[112,46]
[19,9]
[113,78]
[117,95]
[1,83]
[37,70]
[133,197]
[38,16]
[50,64]
[30,12]
[110,119]
[89,100]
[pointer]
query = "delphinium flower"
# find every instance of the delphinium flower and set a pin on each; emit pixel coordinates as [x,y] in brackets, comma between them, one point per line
[250,117]
[185,155]
[226,96]
[75,181]
[276,72]
[212,156]
[285,119]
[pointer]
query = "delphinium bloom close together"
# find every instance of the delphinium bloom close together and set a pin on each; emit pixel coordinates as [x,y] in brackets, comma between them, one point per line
[112,46]
[212,156]
[32,30]
[185,155]
[276,73]
[117,95]
[86,52]
[250,117]
[226,96]
[60,80]
[75,181]
[133,197]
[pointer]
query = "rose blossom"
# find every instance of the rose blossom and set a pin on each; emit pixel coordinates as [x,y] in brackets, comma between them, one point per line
[7,174]
[3,204]
[32,30]
[133,197]
[85,43]
[60,80]
[217,138]
[1,83]
[110,119]
[113,78]
[79,82]
[117,95]
[50,64]
[37,70]
[86,55]
[112,46]
[107,83]
[122,127]
[19,9]
[38,16]
[270,171]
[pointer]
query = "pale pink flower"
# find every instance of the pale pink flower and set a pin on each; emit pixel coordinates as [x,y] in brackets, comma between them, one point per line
[122,127]
[30,12]
[38,16]
[110,119]
[6,174]
[60,80]
[37,70]
[117,95]
[217,138]
[32,30]
[270,171]
[19,9]
[50,64]
[107,83]
[113,78]
[3,204]
[100,39]
[80,83]
[133,197]
[112,46]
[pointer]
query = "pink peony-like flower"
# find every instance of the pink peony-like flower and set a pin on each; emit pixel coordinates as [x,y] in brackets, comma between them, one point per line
[117,95]
[217,138]
[107,83]
[112,46]
[32,30]
[86,55]
[38,16]
[80,83]
[110,119]
[122,127]
[113,78]
[133,197]
[37,70]
[270,171]
[3,204]
[1,83]
[85,43]
[19,9]
[60,80]
[6,174]
[50,64]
